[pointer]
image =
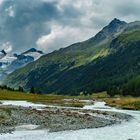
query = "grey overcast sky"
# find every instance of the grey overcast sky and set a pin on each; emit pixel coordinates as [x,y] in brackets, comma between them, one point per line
[52,24]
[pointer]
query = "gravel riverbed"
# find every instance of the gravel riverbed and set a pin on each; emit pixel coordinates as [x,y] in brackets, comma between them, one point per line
[56,119]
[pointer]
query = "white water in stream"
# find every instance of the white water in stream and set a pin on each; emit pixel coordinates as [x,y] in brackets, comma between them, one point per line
[124,131]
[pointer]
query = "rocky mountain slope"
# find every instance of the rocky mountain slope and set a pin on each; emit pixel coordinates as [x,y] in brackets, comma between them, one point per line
[9,63]
[109,59]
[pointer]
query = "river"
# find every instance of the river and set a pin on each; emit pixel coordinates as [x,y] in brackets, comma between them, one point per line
[123,131]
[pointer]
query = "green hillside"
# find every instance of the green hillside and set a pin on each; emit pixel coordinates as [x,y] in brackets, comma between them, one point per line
[107,61]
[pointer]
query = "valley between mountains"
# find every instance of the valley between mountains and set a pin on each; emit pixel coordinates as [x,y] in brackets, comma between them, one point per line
[90,87]
[109,61]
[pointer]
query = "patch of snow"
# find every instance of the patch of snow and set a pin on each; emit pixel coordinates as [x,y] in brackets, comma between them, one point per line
[35,55]
[8,59]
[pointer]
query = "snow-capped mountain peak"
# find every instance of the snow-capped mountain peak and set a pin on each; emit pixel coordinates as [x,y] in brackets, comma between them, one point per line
[10,63]
[36,54]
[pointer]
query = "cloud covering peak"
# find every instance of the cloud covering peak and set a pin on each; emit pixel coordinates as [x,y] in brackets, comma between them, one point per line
[52,24]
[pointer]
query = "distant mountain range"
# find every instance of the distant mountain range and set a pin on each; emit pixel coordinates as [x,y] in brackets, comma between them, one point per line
[10,63]
[109,59]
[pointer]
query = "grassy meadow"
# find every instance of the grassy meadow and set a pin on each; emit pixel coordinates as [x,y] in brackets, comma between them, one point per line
[131,103]
[73,101]
[125,102]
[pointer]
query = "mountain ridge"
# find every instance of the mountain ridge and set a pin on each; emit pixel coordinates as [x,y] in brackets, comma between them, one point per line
[78,67]
[9,63]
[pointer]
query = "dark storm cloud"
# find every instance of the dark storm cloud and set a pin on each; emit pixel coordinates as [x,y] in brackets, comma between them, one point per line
[28,22]
[51,24]
[131,9]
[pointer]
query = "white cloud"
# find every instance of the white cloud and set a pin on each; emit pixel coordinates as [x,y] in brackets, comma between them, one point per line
[48,39]
[61,37]
[1,1]
[95,14]
[10,11]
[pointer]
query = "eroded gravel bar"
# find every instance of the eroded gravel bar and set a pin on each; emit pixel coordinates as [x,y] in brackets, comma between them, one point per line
[57,119]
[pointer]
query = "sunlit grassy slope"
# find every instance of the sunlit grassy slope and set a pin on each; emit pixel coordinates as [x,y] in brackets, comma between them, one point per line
[98,64]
